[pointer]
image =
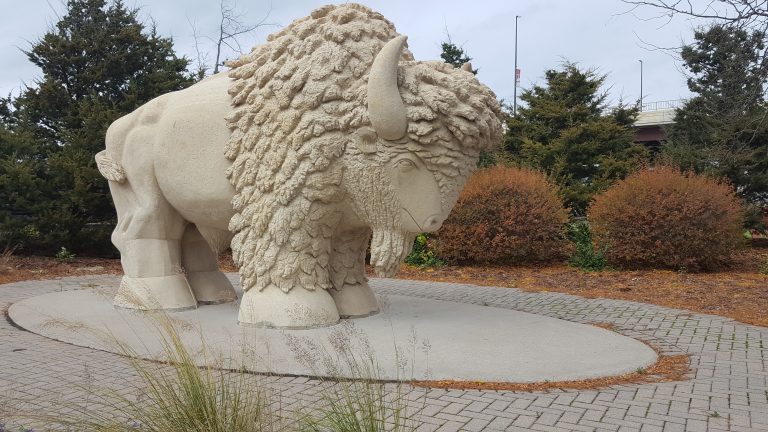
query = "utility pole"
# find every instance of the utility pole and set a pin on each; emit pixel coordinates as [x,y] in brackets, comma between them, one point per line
[641,85]
[517,72]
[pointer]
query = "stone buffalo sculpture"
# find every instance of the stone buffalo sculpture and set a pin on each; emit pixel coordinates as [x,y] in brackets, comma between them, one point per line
[324,138]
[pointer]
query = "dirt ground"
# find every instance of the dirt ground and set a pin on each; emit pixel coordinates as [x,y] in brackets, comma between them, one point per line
[740,292]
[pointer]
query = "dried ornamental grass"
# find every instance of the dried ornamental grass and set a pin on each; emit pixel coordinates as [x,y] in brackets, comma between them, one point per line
[505,215]
[664,218]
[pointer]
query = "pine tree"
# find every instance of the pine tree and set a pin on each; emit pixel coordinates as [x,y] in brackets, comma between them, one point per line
[564,129]
[98,63]
[723,129]
[23,188]
[454,55]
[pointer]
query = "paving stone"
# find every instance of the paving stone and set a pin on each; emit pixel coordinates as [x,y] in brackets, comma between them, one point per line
[729,370]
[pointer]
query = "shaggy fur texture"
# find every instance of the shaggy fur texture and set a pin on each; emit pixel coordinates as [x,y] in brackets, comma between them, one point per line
[299,99]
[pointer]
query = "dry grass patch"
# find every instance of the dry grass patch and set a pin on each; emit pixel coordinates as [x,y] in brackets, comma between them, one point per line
[5,260]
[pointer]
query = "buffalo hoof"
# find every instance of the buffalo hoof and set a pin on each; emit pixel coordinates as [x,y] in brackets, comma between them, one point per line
[155,293]
[297,309]
[211,287]
[355,301]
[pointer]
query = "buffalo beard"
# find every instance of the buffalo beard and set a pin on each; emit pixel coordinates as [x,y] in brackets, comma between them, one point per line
[374,201]
[388,249]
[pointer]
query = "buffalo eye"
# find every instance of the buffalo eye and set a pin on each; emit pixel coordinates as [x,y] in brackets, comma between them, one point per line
[405,165]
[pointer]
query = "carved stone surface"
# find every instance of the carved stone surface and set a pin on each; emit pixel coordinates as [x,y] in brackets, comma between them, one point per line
[324,138]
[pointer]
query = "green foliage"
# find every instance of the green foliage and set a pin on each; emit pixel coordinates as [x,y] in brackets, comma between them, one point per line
[764,268]
[455,55]
[585,256]
[756,218]
[723,130]
[64,254]
[486,160]
[97,64]
[565,130]
[422,255]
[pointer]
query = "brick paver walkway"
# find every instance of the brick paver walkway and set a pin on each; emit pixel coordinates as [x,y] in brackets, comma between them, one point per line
[727,391]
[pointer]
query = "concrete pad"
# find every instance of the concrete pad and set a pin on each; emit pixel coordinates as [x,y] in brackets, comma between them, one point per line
[411,338]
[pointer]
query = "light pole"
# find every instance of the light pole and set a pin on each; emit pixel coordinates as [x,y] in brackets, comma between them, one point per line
[517,74]
[641,85]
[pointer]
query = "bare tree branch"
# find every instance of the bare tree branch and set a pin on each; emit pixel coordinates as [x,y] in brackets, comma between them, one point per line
[231,26]
[202,58]
[746,14]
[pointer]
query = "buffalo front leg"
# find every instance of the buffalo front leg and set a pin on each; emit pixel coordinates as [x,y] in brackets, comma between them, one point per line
[287,297]
[148,235]
[209,285]
[286,280]
[351,292]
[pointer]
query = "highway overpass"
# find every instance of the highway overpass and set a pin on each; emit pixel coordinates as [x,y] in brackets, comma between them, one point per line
[653,117]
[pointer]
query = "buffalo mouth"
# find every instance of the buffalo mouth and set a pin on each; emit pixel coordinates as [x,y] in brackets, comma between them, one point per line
[430,224]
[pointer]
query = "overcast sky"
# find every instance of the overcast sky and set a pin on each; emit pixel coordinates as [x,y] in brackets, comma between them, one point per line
[594,33]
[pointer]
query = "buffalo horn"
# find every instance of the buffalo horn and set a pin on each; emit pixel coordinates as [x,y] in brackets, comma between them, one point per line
[385,106]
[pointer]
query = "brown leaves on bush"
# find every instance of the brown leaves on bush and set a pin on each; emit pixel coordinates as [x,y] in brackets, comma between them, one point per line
[505,215]
[663,218]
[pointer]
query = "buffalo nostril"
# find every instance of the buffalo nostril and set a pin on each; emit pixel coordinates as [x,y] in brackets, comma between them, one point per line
[432,223]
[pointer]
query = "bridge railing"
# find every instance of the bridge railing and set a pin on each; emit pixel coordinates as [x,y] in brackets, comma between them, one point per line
[662,105]
[666,105]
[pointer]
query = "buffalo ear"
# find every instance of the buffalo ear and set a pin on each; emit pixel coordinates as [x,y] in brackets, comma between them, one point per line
[365,140]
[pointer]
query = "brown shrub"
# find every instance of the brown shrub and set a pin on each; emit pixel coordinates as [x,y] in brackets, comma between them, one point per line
[505,215]
[661,217]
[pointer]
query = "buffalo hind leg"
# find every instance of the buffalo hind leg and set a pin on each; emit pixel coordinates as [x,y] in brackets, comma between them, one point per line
[209,285]
[148,235]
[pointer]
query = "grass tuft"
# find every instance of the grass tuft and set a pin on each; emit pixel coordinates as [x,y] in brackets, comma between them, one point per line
[6,260]
[178,396]
[366,404]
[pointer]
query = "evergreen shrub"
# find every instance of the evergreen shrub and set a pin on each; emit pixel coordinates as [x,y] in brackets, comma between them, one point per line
[423,254]
[664,218]
[585,256]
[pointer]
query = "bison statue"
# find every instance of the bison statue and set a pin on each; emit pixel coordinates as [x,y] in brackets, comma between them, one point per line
[324,139]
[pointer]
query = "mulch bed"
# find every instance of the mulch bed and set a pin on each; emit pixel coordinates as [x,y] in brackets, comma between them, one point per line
[666,369]
[739,292]
[20,268]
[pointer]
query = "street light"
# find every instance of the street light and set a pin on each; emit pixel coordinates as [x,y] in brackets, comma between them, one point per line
[517,74]
[641,85]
